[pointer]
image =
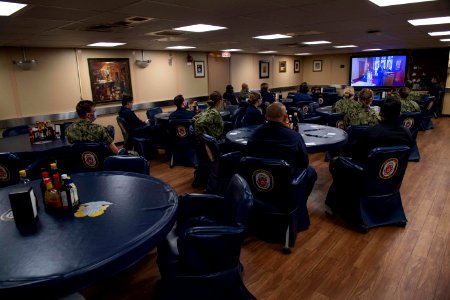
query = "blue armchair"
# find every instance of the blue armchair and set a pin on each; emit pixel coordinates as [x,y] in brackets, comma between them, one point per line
[86,157]
[200,257]
[181,143]
[369,196]
[127,163]
[144,146]
[412,122]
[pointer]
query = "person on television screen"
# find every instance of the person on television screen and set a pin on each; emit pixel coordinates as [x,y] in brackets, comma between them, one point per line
[347,103]
[363,114]
[380,74]
[407,105]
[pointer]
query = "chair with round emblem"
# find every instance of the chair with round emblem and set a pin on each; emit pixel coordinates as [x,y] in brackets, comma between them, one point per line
[369,196]
[411,120]
[182,147]
[334,120]
[86,157]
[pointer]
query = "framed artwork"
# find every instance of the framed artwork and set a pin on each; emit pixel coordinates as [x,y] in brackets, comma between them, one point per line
[317,66]
[263,69]
[282,66]
[110,79]
[199,69]
[296,66]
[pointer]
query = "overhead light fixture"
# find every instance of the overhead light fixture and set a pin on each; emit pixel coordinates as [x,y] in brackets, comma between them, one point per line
[396,2]
[25,64]
[272,36]
[346,46]
[200,28]
[180,47]
[231,50]
[8,8]
[141,63]
[445,40]
[267,52]
[374,49]
[316,43]
[430,21]
[105,44]
[302,54]
[439,33]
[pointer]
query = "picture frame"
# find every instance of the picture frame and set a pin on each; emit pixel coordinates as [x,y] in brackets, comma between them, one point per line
[317,65]
[110,79]
[282,66]
[199,69]
[264,69]
[297,66]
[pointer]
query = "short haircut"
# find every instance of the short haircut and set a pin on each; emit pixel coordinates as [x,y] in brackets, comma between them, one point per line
[244,86]
[303,88]
[264,86]
[404,92]
[254,97]
[126,99]
[365,96]
[84,107]
[390,109]
[349,91]
[229,88]
[214,98]
[409,84]
[178,100]
[276,112]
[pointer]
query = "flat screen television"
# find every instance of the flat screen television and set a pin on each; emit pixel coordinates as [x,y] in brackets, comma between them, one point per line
[378,71]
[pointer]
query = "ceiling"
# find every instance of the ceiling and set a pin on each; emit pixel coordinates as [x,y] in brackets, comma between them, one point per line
[74,24]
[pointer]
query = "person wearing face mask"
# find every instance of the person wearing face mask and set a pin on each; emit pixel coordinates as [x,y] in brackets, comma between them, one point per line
[125,112]
[84,130]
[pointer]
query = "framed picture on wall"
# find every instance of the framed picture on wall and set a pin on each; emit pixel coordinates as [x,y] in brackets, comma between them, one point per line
[282,66]
[317,65]
[110,79]
[199,69]
[263,69]
[296,66]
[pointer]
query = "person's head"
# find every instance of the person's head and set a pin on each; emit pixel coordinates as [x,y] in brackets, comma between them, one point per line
[365,97]
[349,92]
[245,87]
[435,79]
[303,88]
[86,110]
[127,101]
[390,109]
[215,99]
[264,86]
[276,112]
[229,88]
[409,84]
[255,99]
[404,92]
[178,101]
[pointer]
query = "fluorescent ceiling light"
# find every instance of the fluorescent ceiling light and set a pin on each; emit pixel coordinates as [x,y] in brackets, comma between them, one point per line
[267,52]
[445,40]
[396,2]
[180,47]
[430,21]
[231,50]
[199,28]
[316,42]
[439,33]
[374,49]
[272,36]
[106,44]
[8,8]
[345,46]
[302,54]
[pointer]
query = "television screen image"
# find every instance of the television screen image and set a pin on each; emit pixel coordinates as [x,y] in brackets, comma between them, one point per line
[378,71]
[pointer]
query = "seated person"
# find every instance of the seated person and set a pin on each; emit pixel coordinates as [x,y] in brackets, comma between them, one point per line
[387,133]
[210,120]
[181,112]
[84,130]
[362,115]
[347,103]
[138,128]
[253,115]
[302,94]
[274,140]
[413,95]
[407,105]
[244,93]
[267,97]
[229,96]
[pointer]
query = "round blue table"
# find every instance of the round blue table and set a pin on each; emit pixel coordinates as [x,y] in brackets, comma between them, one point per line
[67,253]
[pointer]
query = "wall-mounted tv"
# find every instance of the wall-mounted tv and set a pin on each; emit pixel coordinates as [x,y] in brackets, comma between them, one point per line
[378,71]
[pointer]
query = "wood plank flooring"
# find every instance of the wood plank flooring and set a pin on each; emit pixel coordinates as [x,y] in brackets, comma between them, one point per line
[329,260]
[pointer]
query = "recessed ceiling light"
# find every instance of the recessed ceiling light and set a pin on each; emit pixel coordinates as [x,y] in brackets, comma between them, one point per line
[8,8]
[439,33]
[374,49]
[105,44]
[231,50]
[200,28]
[272,36]
[180,47]
[430,21]
[302,54]
[445,40]
[316,42]
[396,2]
[345,46]
[267,52]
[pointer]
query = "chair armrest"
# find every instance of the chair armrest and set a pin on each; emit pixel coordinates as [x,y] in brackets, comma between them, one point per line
[196,205]
[345,170]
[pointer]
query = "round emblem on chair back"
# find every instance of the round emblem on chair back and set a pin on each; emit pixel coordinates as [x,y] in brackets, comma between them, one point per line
[305,109]
[320,100]
[388,168]
[90,159]
[340,124]
[408,123]
[262,180]
[4,173]
[181,131]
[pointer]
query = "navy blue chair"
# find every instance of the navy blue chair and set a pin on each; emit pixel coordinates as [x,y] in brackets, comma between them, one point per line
[412,122]
[369,196]
[199,259]
[182,143]
[354,132]
[237,116]
[13,131]
[426,122]
[87,157]
[279,209]
[10,165]
[202,106]
[127,163]
[144,146]
[151,112]
[334,120]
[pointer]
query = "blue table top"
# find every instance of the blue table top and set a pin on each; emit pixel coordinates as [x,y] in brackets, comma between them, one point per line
[68,253]
[21,145]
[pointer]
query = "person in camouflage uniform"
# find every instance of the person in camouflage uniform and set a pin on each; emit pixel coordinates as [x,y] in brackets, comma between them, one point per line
[347,103]
[362,114]
[210,121]
[413,95]
[407,105]
[85,130]
[244,93]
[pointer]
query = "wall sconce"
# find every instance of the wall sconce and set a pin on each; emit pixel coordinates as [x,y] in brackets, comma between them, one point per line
[24,63]
[141,63]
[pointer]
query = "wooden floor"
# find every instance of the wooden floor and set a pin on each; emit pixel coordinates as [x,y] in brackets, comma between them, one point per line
[329,260]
